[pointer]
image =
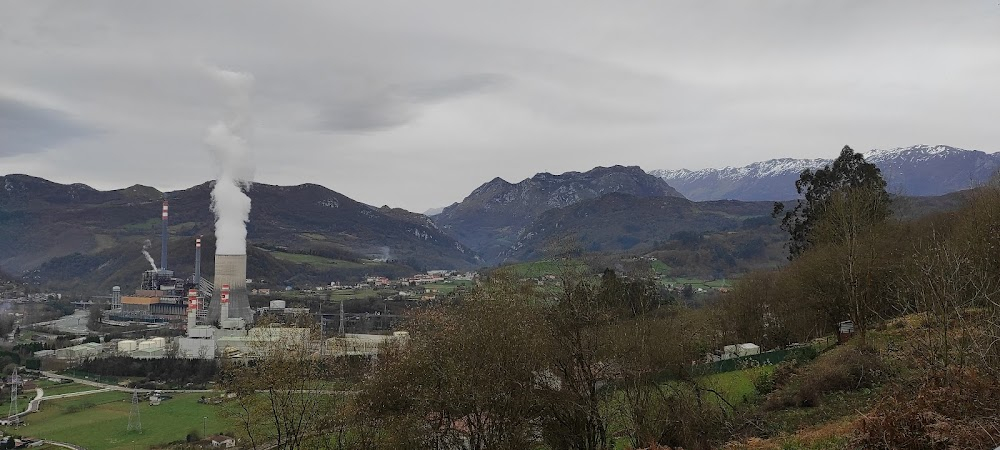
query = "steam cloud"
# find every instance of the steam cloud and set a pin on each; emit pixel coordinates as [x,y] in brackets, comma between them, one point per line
[227,141]
[145,252]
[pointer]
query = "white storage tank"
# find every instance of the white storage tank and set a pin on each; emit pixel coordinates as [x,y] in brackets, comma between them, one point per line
[277,304]
[127,346]
[159,342]
[147,344]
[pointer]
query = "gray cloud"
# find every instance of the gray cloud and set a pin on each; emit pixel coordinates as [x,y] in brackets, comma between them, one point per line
[378,108]
[460,92]
[27,128]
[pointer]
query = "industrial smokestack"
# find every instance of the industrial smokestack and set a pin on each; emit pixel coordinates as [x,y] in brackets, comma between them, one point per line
[231,270]
[197,263]
[224,299]
[192,309]
[163,238]
[227,141]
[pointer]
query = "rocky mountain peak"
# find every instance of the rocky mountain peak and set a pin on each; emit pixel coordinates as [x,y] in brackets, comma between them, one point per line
[913,170]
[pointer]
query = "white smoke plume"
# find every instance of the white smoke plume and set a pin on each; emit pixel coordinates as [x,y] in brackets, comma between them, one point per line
[145,252]
[227,141]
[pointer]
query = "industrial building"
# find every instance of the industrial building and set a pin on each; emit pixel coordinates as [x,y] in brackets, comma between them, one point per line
[143,349]
[160,296]
[362,344]
[81,351]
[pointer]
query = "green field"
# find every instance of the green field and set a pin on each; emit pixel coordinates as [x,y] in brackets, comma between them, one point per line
[660,267]
[445,288]
[698,282]
[335,295]
[100,421]
[316,261]
[23,398]
[64,388]
[736,386]
[536,269]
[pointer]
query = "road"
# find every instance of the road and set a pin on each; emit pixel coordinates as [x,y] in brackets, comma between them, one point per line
[113,387]
[33,404]
[75,394]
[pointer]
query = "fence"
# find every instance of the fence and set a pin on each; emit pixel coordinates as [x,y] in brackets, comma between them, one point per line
[762,359]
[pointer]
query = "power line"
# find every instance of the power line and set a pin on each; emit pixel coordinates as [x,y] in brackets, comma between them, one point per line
[134,421]
[12,414]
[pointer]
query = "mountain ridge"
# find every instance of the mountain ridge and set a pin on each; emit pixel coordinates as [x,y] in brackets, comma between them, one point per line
[491,217]
[51,220]
[918,170]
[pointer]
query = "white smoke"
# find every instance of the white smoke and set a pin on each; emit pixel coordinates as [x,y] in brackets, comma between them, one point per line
[145,252]
[227,140]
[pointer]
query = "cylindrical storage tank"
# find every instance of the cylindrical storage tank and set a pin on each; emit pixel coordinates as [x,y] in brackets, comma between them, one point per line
[127,346]
[277,304]
[159,342]
[146,345]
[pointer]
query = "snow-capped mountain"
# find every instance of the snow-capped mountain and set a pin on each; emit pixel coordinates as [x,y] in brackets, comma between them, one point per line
[919,170]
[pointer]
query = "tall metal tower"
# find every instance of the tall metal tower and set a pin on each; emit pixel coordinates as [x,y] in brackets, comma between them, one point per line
[134,422]
[15,382]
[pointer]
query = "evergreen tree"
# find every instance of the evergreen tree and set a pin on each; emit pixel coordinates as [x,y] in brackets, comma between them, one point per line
[849,172]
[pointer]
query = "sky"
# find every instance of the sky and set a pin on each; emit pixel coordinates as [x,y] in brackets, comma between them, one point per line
[415,104]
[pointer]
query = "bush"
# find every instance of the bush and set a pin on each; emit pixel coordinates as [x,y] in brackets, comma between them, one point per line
[75,408]
[957,411]
[767,382]
[843,369]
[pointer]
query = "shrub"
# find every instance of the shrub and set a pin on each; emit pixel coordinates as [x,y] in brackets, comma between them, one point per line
[766,382]
[958,411]
[843,369]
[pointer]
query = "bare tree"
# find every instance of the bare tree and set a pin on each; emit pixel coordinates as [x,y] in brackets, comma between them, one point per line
[279,388]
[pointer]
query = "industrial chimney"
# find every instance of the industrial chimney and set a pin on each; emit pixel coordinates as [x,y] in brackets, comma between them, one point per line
[224,302]
[197,263]
[231,270]
[163,238]
[192,309]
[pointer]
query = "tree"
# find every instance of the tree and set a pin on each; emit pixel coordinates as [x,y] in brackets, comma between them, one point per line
[281,396]
[96,314]
[465,375]
[853,231]
[849,172]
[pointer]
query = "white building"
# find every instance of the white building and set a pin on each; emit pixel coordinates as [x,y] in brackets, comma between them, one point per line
[735,351]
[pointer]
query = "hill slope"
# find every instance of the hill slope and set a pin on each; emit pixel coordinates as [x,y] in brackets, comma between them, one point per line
[919,170]
[44,221]
[624,223]
[492,216]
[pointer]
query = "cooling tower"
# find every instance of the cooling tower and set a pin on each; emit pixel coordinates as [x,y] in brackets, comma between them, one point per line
[231,270]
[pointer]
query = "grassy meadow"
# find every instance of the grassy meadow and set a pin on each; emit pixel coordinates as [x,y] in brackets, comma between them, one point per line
[100,421]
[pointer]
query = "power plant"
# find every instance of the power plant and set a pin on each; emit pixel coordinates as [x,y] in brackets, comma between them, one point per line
[163,297]
[160,296]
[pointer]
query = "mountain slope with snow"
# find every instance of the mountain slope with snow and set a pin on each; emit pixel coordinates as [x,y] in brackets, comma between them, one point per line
[920,170]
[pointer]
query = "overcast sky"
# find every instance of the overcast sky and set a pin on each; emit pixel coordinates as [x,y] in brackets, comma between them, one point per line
[415,103]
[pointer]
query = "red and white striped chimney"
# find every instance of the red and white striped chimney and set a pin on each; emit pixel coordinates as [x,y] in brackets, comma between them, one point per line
[163,238]
[197,263]
[192,308]
[224,300]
